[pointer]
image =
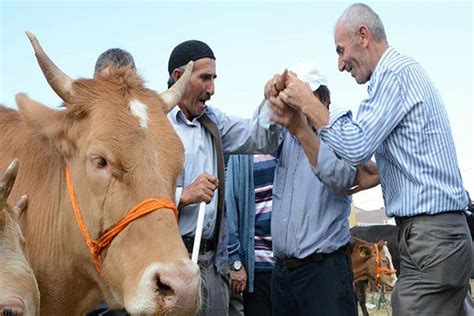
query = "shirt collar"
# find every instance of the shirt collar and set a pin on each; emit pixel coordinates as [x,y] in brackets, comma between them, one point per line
[177,115]
[386,57]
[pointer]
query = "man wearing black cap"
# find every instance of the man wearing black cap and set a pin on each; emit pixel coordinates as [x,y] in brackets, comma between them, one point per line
[206,134]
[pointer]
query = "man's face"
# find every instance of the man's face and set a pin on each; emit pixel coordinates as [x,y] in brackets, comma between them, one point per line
[200,88]
[352,56]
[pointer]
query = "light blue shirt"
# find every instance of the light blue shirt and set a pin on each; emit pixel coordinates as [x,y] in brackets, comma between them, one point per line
[310,212]
[239,136]
[404,122]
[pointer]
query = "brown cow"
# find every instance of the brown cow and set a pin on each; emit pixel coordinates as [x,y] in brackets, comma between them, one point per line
[19,294]
[114,137]
[371,263]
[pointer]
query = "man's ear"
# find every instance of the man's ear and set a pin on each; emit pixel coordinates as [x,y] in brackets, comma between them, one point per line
[51,124]
[176,74]
[363,35]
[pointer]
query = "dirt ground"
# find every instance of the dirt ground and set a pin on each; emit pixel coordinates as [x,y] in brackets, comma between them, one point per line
[381,309]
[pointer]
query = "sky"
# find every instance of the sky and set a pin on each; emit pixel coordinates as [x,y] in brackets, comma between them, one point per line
[252,40]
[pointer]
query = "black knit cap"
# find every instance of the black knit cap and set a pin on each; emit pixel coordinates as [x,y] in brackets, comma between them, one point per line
[187,51]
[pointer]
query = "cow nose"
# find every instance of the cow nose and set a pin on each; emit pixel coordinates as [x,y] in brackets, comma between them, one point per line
[171,289]
[12,307]
[179,287]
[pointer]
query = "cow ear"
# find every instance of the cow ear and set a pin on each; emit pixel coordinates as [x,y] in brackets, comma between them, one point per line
[364,251]
[49,123]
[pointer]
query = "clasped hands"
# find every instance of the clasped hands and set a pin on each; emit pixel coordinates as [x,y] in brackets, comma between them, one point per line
[288,98]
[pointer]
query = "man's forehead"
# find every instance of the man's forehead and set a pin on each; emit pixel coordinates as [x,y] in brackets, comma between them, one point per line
[337,33]
[205,66]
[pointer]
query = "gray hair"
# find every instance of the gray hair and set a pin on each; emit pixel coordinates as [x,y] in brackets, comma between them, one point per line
[171,80]
[361,14]
[114,57]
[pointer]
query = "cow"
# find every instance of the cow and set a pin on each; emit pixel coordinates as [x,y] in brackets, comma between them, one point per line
[371,263]
[374,233]
[19,293]
[101,177]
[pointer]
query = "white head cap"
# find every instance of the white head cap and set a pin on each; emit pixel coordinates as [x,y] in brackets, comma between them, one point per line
[308,72]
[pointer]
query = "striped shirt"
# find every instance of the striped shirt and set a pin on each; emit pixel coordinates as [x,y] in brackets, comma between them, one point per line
[263,174]
[404,122]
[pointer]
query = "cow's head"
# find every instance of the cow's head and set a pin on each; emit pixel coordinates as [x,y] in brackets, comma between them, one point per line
[114,136]
[373,262]
[19,294]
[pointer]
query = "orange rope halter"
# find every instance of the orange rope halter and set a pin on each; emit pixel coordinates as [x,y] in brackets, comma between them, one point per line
[378,267]
[96,247]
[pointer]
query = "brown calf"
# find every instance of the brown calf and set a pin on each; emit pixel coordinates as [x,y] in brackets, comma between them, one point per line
[371,263]
[19,294]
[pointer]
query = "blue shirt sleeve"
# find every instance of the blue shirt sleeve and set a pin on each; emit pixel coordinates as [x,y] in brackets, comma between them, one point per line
[333,171]
[231,196]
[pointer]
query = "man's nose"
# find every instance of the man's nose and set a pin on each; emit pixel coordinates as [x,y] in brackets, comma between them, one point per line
[341,64]
[210,88]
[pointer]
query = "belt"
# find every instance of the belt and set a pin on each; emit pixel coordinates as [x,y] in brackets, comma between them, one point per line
[293,263]
[399,220]
[206,244]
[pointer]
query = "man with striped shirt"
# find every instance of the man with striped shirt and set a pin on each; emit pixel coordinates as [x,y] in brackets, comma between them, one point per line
[404,123]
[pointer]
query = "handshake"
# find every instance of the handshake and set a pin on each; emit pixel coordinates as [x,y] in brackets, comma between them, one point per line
[299,98]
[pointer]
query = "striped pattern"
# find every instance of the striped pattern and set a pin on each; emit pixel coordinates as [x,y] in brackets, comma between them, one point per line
[264,171]
[404,123]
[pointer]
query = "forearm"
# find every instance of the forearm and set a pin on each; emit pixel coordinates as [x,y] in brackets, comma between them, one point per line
[333,171]
[310,144]
[317,113]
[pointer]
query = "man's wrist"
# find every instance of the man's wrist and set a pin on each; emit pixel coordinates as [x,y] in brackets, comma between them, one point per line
[236,265]
[318,114]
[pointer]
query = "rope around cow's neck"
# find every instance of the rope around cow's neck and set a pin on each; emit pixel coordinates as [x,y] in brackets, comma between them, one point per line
[379,270]
[96,247]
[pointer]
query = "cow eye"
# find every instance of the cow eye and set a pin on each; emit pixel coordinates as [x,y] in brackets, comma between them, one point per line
[100,163]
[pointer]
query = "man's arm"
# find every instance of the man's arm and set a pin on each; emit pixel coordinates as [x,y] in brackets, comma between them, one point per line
[238,279]
[367,177]
[355,141]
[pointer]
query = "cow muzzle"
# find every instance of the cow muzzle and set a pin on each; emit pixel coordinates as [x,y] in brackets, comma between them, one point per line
[167,289]
[12,307]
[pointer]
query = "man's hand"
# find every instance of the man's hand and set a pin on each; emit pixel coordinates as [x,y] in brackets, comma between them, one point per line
[291,119]
[276,84]
[367,177]
[200,190]
[238,280]
[297,94]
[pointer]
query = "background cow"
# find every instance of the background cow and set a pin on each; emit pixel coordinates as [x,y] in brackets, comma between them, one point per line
[114,137]
[19,294]
[374,233]
[371,263]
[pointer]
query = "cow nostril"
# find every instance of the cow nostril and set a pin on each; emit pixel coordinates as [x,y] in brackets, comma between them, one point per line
[11,311]
[164,289]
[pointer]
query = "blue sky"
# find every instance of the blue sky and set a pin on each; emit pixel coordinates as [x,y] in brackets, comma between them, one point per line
[251,40]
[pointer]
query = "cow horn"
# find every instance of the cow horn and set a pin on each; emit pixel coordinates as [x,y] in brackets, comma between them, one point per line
[172,96]
[58,80]
[20,205]
[6,182]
